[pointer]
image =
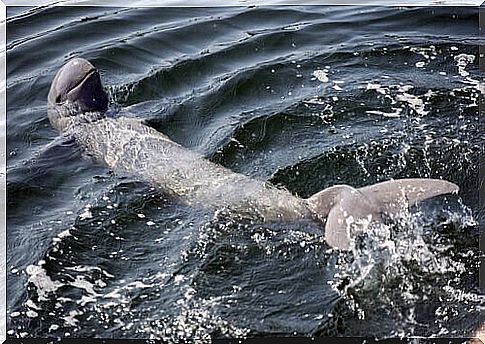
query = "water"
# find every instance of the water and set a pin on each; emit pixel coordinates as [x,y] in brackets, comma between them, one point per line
[304,97]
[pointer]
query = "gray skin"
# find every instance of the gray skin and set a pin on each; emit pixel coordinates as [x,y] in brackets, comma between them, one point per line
[76,107]
[127,145]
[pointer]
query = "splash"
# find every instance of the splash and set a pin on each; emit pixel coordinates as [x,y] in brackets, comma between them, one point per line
[194,321]
[396,269]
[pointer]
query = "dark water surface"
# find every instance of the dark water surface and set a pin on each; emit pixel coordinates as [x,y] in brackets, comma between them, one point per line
[304,97]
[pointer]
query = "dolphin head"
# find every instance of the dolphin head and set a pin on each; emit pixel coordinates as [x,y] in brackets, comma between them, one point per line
[76,89]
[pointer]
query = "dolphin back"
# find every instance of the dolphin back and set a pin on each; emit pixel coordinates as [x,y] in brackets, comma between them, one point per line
[349,211]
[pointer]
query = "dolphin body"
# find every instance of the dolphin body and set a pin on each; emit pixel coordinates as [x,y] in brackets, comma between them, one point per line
[76,106]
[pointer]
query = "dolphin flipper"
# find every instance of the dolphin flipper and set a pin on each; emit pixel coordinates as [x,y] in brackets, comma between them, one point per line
[348,210]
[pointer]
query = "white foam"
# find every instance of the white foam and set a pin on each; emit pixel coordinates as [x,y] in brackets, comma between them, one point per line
[32,305]
[31,314]
[402,95]
[53,327]
[87,214]
[378,88]
[80,282]
[337,88]
[70,320]
[462,61]
[321,75]
[14,314]
[414,102]
[427,52]
[395,114]
[43,283]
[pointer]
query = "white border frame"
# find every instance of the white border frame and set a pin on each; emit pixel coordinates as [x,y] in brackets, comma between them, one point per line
[135,3]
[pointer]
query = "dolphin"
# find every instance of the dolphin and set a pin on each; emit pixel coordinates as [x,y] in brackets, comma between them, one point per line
[77,104]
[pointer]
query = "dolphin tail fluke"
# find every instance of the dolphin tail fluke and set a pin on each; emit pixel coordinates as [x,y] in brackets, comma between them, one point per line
[349,211]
